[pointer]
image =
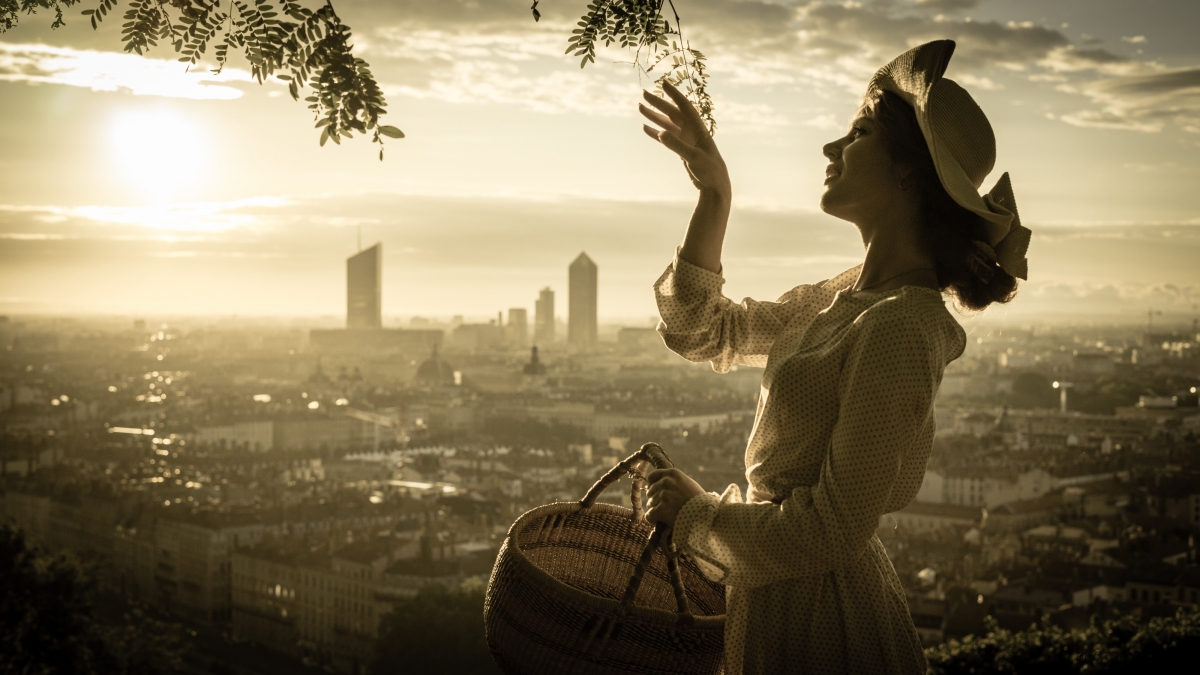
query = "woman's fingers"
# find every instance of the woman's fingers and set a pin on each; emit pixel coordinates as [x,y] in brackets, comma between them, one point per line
[665,106]
[655,488]
[659,119]
[659,474]
[688,152]
[685,106]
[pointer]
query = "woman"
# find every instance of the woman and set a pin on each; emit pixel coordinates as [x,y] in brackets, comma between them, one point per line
[844,424]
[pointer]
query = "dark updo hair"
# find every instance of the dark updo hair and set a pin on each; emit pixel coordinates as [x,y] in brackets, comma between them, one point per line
[949,231]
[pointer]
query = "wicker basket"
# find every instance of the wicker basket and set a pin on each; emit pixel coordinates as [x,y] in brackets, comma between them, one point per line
[586,588]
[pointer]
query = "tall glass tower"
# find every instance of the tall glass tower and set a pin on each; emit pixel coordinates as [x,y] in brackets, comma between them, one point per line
[581,309]
[364,292]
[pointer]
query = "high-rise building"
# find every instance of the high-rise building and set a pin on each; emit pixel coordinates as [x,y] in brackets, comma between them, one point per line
[581,304]
[518,326]
[543,329]
[364,293]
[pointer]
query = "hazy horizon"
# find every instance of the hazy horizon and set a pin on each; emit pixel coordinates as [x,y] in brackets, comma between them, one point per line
[516,160]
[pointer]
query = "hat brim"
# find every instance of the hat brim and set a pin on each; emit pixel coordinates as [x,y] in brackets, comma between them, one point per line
[914,76]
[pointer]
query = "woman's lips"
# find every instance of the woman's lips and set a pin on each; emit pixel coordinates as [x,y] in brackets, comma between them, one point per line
[830,174]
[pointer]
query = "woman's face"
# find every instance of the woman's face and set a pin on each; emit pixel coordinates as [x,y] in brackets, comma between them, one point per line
[861,181]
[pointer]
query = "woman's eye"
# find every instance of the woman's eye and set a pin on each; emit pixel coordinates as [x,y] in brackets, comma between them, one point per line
[857,131]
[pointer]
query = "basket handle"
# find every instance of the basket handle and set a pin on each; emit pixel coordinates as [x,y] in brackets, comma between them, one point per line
[630,466]
[660,538]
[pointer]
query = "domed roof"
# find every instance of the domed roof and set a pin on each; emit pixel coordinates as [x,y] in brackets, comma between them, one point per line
[434,371]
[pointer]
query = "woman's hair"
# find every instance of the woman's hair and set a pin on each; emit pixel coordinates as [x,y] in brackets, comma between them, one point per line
[950,231]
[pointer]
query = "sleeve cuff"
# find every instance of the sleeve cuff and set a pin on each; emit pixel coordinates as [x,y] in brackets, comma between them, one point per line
[688,275]
[693,525]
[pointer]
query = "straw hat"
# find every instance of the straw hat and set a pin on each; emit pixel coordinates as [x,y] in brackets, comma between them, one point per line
[962,145]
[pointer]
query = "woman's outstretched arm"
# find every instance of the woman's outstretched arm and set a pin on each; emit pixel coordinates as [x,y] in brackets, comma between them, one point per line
[683,132]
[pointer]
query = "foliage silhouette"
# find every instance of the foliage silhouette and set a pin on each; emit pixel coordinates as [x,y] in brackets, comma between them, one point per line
[292,43]
[440,630]
[1115,647]
[47,625]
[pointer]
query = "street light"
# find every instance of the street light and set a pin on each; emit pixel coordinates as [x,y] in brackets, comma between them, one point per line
[1062,388]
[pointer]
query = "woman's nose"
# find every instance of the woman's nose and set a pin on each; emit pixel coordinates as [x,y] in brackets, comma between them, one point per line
[831,150]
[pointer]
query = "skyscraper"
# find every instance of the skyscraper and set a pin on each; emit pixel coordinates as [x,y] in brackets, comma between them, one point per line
[543,318]
[518,326]
[581,305]
[364,288]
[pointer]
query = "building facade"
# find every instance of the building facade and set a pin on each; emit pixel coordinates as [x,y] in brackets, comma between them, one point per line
[543,333]
[581,309]
[518,326]
[364,289]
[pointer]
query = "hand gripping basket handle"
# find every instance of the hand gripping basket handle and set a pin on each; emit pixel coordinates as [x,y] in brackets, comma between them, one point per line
[633,465]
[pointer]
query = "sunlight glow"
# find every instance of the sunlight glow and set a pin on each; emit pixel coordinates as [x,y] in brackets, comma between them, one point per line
[157,153]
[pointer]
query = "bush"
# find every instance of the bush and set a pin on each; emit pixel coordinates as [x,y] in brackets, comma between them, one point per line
[1117,647]
[440,630]
[47,625]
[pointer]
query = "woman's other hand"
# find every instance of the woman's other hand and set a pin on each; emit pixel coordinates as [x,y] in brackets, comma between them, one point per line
[669,490]
[684,133]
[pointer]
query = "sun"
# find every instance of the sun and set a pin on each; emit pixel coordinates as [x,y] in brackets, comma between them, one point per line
[159,155]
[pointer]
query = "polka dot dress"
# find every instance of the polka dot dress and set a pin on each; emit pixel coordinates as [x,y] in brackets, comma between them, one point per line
[842,433]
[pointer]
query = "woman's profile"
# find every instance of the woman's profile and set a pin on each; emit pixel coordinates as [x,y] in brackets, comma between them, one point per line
[844,424]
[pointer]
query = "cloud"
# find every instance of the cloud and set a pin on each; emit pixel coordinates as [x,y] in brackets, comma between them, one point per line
[113,72]
[878,32]
[1151,168]
[493,53]
[825,121]
[470,52]
[1070,59]
[193,217]
[978,82]
[751,116]
[480,81]
[947,5]
[1143,102]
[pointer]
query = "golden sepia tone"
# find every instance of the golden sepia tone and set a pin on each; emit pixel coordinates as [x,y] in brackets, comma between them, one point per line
[280,400]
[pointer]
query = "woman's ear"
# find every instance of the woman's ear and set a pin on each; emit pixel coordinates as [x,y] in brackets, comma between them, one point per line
[903,176]
[901,173]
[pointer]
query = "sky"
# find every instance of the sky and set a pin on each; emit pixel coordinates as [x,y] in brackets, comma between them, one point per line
[132,187]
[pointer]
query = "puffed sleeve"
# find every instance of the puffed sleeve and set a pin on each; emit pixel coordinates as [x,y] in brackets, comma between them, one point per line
[886,391]
[700,324]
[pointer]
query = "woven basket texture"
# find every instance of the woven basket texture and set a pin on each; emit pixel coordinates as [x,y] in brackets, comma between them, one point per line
[553,601]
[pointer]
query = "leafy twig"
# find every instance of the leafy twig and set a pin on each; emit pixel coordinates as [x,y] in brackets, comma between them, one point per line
[302,47]
[640,25]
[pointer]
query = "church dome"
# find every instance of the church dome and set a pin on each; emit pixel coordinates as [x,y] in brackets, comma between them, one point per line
[435,372]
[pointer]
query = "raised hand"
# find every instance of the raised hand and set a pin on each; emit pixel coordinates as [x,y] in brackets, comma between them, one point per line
[684,133]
